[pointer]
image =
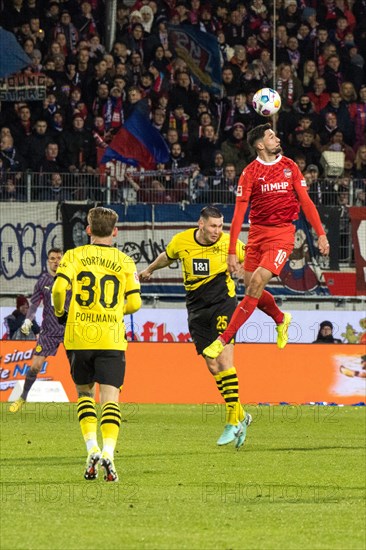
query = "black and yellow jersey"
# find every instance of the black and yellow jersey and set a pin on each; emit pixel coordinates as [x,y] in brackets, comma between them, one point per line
[101,277]
[205,273]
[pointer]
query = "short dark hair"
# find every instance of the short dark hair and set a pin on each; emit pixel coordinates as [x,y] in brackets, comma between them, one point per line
[54,250]
[210,212]
[257,133]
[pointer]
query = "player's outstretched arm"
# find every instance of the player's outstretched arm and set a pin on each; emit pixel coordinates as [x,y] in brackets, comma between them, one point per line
[161,261]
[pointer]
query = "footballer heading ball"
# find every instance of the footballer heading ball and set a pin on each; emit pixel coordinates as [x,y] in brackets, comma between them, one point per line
[266,102]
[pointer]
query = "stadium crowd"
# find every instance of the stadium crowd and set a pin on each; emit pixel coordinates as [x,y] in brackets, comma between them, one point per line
[90,92]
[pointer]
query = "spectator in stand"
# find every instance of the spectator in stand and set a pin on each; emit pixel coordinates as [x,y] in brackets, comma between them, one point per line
[264,36]
[122,21]
[84,67]
[321,191]
[304,37]
[325,334]
[135,100]
[54,190]
[319,97]
[337,106]
[226,51]
[135,39]
[230,82]
[331,124]
[172,137]
[291,54]
[51,162]
[66,27]
[239,111]
[252,48]
[317,48]
[77,146]
[236,29]
[225,191]
[206,148]
[183,93]
[11,159]
[304,108]
[300,161]
[265,66]
[37,143]
[216,171]
[288,86]
[100,77]
[175,163]
[159,120]
[10,191]
[308,148]
[333,73]
[179,120]
[85,22]
[336,143]
[300,42]
[358,115]
[12,15]
[239,60]
[22,128]
[308,75]
[57,125]
[99,106]
[15,320]
[359,170]
[304,123]
[290,16]
[281,40]
[235,148]
[199,187]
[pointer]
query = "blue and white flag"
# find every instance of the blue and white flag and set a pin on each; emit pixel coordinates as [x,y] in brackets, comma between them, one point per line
[200,50]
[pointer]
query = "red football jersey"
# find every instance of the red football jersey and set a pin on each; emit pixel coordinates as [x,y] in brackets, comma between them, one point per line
[270,189]
[275,191]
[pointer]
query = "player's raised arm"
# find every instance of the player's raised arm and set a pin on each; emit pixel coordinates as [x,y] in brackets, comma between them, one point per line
[161,261]
[241,207]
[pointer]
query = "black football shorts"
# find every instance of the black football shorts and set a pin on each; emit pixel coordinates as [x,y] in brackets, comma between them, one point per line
[104,366]
[207,323]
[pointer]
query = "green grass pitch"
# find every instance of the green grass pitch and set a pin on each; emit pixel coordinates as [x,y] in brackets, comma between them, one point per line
[298,483]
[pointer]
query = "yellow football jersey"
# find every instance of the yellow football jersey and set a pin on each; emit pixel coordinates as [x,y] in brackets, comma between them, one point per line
[205,273]
[101,277]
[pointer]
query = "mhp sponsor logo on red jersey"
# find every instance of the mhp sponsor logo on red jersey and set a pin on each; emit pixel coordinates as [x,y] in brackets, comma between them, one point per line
[280,186]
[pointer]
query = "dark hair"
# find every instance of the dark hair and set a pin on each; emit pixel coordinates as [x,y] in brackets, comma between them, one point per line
[326,324]
[257,133]
[55,250]
[210,212]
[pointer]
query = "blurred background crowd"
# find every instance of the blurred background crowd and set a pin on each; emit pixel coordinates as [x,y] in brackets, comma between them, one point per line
[317,66]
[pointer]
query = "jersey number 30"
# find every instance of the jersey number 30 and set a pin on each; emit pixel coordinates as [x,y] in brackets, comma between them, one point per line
[89,288]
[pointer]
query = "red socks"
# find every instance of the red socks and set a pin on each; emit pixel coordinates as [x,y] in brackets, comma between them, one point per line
[241,314]
[268,305]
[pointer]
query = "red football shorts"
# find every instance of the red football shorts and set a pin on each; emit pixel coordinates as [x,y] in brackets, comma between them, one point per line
[269,247]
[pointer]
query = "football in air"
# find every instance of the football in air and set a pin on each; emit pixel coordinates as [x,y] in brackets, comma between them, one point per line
[266,102]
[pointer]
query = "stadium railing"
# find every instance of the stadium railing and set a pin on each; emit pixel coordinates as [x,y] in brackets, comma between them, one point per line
[158,187]
[169,187]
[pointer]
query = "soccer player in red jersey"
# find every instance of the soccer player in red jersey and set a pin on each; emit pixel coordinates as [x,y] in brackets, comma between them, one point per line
[275,188]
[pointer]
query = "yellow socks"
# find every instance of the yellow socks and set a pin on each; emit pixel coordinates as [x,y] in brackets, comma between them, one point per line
[109,425]
[87,416]
[228,385]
